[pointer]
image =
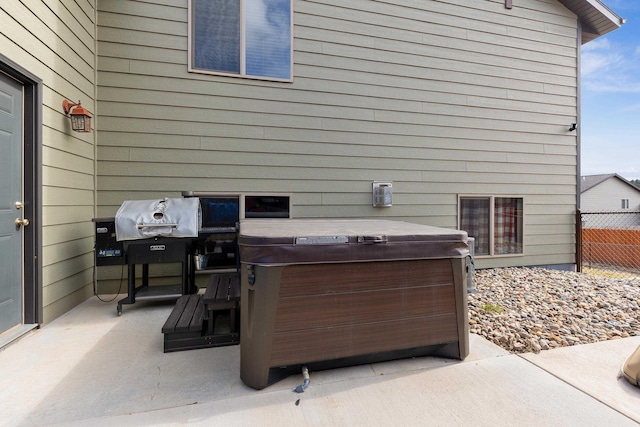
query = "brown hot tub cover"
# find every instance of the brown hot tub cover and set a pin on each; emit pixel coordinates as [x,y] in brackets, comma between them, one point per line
[303,241]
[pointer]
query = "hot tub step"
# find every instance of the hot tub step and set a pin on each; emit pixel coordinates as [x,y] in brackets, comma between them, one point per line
[190,326]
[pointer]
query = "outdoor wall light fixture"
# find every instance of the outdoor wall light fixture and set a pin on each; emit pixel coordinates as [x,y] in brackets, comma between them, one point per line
[80,118]
[573,127]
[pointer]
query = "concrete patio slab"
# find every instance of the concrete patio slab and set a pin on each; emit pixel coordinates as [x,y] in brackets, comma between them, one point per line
[593,369]
[90,367]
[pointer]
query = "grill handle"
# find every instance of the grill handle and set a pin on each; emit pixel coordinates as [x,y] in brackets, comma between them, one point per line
[140,226]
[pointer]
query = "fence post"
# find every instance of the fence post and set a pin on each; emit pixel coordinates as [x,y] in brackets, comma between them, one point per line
[578,241]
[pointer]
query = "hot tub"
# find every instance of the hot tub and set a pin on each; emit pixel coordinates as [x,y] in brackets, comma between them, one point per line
[332,293]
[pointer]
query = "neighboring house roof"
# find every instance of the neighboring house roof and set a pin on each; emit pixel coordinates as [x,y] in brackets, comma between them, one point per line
[590,181]
[597,19]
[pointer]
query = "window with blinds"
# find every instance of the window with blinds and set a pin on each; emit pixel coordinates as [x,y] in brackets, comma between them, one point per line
[241,38]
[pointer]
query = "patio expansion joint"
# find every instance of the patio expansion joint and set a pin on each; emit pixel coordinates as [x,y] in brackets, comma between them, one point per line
[580,389]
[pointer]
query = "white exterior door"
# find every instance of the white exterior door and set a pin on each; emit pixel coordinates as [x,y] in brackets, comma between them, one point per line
[11,213]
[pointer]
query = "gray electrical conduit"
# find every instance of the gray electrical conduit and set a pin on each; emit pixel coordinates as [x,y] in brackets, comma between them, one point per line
[305,383]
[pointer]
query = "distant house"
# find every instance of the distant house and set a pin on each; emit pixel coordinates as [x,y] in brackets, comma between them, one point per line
[603,195]
[607,193]
[466,106]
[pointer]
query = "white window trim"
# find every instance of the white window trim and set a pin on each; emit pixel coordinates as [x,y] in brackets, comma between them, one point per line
[625,204]
[243,68]
[492,198]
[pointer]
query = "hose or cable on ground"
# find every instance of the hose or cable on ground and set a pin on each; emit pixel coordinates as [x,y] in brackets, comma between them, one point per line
[305,383]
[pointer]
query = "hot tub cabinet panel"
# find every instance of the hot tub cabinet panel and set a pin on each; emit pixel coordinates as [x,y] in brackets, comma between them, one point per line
[336,313]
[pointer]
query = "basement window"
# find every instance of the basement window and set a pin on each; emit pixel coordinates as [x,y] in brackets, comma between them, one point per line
[496,224]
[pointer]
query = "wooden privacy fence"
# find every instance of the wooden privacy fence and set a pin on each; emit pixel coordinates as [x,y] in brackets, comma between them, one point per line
[611,247]
[609,240]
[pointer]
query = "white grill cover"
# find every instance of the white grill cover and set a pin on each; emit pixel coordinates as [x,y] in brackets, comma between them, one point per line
[143,219]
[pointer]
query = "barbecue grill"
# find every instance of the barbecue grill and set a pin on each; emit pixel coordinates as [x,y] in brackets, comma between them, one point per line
[151,232]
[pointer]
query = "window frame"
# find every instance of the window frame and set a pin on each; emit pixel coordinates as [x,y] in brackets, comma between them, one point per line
[492,219]
[242,74]
[625,203]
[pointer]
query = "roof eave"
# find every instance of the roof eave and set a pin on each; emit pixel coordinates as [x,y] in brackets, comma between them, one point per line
[597,19]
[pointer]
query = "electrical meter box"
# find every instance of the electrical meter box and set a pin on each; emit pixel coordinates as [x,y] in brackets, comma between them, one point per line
[382,194]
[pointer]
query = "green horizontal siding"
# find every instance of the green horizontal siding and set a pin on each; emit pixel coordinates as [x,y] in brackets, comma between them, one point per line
[443,98]
[55,40]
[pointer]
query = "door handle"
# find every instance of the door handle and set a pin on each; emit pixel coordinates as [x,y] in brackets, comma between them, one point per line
[21,222]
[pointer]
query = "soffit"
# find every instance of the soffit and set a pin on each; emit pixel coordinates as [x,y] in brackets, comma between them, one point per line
[597,19]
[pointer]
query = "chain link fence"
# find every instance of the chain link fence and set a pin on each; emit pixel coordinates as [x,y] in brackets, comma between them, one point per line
[609,243]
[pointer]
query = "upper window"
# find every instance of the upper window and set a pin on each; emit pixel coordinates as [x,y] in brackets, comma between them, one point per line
[496,224]
[248,38]
[625,203]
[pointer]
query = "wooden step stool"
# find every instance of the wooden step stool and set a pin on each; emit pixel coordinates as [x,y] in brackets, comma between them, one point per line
[221,297]
[197,321]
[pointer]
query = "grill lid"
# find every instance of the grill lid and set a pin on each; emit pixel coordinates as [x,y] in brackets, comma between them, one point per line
[168,217]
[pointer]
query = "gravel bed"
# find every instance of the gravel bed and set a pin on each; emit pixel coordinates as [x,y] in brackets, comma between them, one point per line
[533,309]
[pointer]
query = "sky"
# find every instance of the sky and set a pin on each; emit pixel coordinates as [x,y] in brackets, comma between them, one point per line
[610,119]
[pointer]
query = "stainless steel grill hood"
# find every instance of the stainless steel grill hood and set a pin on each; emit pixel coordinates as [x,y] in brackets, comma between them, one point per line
[143,219]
